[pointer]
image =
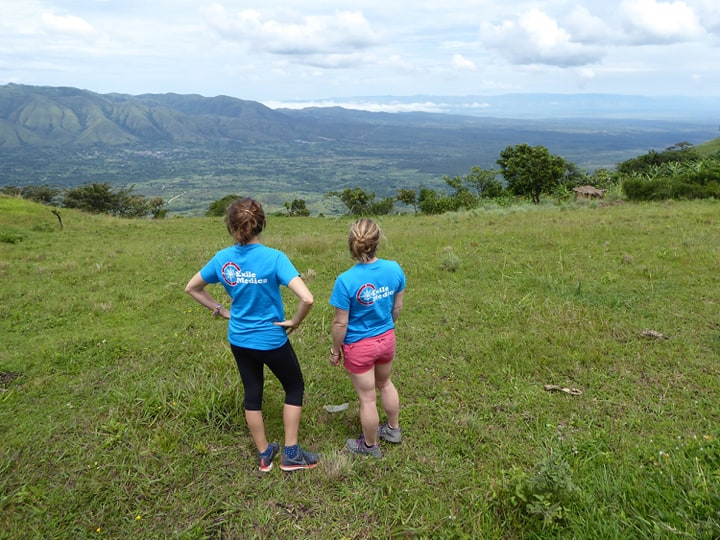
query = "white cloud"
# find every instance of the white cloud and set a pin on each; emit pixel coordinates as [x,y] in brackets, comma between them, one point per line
[67,24]
[649,21]
[423,106]
[708,12]
[341,32]
[542,30]
[282,50]
[337,61]
[462,63]
[536,38]
[586,73]
[586,27]
[399,64]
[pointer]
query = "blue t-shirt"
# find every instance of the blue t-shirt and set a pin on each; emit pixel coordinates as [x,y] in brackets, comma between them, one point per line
[252,275]
[367,292]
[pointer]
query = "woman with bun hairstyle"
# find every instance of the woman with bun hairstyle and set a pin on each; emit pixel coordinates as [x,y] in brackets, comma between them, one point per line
[367,299]
[252,275]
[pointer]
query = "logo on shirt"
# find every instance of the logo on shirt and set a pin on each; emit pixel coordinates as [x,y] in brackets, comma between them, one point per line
[368,294]
[233,275]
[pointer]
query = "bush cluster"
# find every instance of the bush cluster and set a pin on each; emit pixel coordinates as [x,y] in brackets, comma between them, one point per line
[677,173]
[93,198]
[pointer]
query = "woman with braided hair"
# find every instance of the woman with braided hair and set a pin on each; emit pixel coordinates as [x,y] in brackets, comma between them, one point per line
[367,299]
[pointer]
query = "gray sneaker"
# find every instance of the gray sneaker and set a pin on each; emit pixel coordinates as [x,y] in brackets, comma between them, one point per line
[386,433]
[357,446]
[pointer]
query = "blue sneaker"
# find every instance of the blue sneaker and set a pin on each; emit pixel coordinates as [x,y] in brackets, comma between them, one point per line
[265,463]
[303,460]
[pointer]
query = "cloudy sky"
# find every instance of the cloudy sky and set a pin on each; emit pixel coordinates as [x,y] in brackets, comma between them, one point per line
[277,51]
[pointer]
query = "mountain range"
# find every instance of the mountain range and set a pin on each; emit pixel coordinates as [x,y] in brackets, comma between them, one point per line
[58,116]
[203,146]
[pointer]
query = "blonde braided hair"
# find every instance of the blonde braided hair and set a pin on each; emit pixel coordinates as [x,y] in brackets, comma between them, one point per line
[364,239]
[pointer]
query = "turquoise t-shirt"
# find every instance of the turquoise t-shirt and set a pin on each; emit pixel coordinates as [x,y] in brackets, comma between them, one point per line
[252,275]
[367,292]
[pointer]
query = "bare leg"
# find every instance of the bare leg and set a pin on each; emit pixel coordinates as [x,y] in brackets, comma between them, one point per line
[291,421]
[389,397]
[256,425]
[364,384]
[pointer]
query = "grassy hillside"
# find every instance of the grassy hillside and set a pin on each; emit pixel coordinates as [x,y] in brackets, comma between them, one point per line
[710,147]
[121,411]
[44,116]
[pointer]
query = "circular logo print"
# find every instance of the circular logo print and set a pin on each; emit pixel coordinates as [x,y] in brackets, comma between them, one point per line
[231,273]
[366,294]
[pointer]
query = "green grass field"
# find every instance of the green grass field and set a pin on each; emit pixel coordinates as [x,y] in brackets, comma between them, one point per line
[121,407]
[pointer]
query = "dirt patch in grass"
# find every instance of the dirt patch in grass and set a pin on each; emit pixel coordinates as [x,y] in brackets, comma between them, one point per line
[7,377]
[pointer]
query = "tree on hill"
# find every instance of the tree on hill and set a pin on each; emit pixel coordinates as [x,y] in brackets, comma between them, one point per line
[42,194]
[101,199]
[297,208]
[382,207]
[431,202]
[530,171]
[409,197]
[484,182]
[462,197]
[361,203]
[217,208]
[93,198]
[467,192]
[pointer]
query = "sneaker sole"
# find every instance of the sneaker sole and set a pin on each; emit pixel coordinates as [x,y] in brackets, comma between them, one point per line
[266,469]
[290,468]
[364,454]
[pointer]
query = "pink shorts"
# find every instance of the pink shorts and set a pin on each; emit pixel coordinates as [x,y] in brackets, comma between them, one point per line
[362,355]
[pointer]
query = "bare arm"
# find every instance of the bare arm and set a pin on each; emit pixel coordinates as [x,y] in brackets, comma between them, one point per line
[397,305]
[196,288]
[339,329]
[299,289]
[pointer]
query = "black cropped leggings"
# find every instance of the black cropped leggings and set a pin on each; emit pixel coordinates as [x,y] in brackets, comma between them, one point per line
[282,362]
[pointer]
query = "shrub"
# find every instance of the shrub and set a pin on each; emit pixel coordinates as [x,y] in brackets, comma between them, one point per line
[546,493]
[7,237]
[637,189]
[449,261]
[431,202]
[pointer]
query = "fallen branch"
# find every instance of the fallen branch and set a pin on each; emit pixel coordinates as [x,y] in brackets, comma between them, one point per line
[653,334]
[556,388]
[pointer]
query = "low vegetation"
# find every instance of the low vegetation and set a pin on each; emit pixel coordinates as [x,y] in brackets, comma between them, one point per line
[94,198]
[679,172]
[557,366]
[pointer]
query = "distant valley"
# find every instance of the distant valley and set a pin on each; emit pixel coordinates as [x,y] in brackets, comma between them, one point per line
[192,150]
